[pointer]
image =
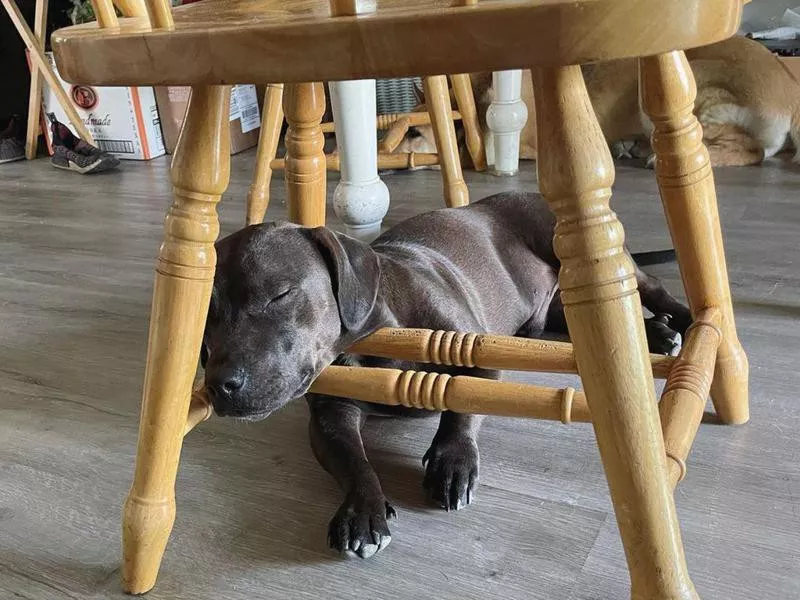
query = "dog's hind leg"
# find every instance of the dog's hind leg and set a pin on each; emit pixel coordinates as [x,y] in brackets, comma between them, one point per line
[452,461]
[360,524]
[659,301]
[731,146]
[664,335]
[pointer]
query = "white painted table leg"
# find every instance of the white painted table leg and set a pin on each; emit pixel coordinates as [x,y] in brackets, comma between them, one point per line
[506,117]
[361,199]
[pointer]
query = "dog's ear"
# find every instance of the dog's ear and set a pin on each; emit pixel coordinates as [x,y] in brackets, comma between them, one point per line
[355,274]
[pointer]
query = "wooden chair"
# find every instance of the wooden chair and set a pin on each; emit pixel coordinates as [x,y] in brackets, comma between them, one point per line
[355,213]
[643,444]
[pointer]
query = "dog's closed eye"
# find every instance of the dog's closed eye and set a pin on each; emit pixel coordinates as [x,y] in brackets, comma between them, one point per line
[282,295]
[262,308]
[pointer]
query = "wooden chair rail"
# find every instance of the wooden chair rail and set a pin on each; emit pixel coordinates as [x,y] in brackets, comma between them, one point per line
[400,160]
[683,400]
[384,122]
[681,407]
[481,350]
[461,393]
[200,409]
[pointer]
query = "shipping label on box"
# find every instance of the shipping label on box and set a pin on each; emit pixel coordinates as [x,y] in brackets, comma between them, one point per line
[244,102]
[245,117]
[123,120]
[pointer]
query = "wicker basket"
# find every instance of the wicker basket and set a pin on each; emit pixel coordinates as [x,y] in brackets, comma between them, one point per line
[399,95]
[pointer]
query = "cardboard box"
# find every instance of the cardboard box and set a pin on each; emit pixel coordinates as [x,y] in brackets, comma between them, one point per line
[123,120]
[245,116]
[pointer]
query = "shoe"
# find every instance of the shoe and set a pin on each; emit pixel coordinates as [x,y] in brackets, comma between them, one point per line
[11,148]
[74,154]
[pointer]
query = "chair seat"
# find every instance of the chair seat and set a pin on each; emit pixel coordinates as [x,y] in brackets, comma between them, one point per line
[257,41]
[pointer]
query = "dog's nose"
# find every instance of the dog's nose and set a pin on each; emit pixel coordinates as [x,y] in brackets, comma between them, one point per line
[225,385]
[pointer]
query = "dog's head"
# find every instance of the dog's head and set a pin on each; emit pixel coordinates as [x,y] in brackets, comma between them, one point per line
[286,301]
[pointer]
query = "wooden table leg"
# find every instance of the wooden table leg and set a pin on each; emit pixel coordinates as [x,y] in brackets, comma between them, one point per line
[304,105]
[184,275]
[462,89]
[35,95]
[604,315]
[271,124]
[690,202]
[437,99]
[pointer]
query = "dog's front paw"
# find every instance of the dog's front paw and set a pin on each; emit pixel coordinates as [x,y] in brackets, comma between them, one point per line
[621,149]
[360,526]
[451,471]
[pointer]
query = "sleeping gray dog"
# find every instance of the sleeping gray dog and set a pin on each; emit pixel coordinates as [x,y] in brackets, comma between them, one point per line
[288,301]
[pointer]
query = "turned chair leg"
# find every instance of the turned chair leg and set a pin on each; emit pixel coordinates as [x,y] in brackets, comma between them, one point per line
[686,182]
[361,198]
[304,170]
[184,275]
[271,123]
[465,99]
[35,94]
[604,316]
[437,100]
[506,118]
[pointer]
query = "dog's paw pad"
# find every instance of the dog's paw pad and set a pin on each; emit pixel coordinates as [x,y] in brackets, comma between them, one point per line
[451,472]
[359,527]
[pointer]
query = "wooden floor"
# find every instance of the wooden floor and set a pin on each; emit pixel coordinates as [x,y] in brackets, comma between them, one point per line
[253,506]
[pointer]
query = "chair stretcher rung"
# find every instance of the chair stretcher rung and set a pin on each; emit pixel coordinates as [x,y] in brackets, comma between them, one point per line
[465,394]
[684,397]
[199,409]
[681,408]
[481,350]
[439,391]
[397,160]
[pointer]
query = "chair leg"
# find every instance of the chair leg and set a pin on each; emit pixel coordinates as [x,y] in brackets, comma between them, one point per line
[465,99]
[437,99]
[184,275]
[361,199]
[506,118]
[604,316]
[304,171]
[271,123]
[35,94]
[690,202]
